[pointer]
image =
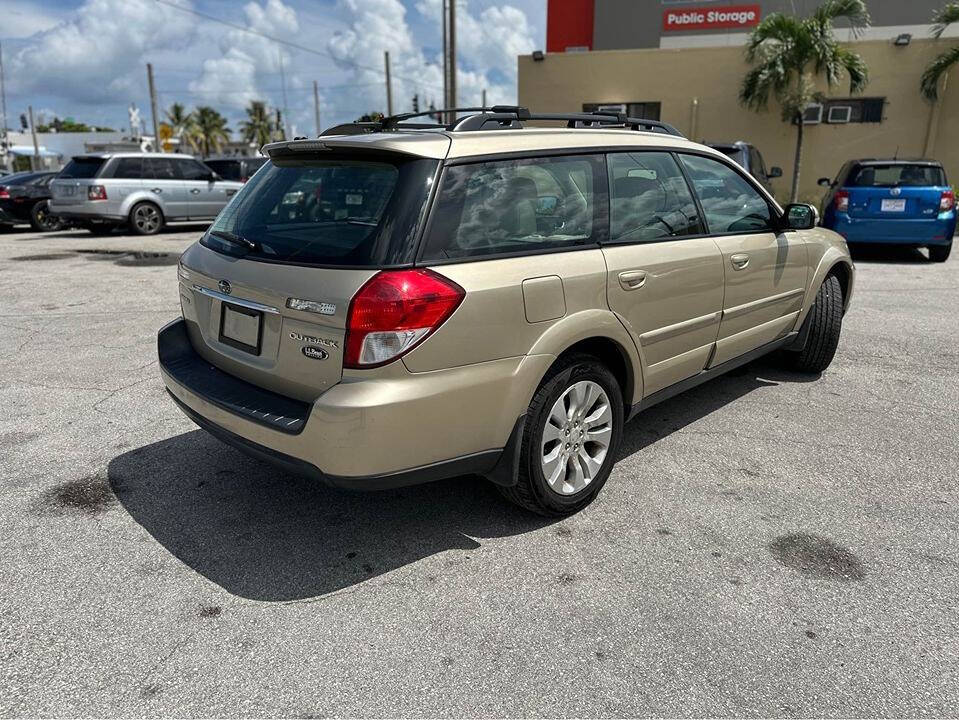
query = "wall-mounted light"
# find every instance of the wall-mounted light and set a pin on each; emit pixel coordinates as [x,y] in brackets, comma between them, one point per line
[538,56]
[902,39]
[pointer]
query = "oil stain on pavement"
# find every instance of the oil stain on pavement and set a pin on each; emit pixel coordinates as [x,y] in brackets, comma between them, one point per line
[816,556]
[91,495]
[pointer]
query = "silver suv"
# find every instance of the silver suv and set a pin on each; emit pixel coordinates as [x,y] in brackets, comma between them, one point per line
[145,190]
[402,302]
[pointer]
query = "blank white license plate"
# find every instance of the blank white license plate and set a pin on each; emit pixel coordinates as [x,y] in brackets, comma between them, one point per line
[241,328]
[893,205]
[65,191]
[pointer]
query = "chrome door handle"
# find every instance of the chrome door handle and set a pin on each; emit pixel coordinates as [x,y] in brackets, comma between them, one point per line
[632,279]
[739,261]
[156,190]
[194,191]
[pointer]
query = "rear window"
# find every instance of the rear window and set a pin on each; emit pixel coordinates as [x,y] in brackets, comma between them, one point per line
[733,153]
[516,206]
[82,167]
[896,174]
[330,211]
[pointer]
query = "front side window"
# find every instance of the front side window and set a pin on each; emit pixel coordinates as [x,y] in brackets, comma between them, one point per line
[192,170]
[649,199]
[514,206]
[729,202]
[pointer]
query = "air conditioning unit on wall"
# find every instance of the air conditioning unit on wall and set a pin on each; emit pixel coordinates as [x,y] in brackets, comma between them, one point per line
[812,115]
[839,114]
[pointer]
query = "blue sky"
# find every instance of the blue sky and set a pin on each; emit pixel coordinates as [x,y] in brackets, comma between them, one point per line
[86,59]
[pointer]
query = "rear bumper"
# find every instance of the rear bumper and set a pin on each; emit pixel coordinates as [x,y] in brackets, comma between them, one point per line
[7,218]
[363,434]
[92,211]
[921,232]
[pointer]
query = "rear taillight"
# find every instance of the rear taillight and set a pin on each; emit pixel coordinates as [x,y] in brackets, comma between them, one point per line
[947,201]
[96,192]
[842,201]
[394,312]
[4,193]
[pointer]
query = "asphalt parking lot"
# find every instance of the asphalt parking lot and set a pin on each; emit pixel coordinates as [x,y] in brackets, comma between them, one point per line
[769,544]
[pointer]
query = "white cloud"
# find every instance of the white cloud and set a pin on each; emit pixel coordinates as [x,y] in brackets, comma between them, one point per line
[96,55]
[23,19]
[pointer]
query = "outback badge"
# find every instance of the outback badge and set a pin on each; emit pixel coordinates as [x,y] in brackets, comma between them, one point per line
[314,352]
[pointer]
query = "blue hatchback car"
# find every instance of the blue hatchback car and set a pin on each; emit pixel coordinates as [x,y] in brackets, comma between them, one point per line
[903,202]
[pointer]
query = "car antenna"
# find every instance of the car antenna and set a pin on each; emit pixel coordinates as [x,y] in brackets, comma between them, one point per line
[896,156]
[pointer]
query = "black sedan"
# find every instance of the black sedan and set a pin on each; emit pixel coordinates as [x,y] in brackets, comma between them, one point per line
[23,199]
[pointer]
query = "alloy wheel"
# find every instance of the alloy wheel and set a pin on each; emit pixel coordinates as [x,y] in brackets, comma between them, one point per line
[579,429]
[147,219]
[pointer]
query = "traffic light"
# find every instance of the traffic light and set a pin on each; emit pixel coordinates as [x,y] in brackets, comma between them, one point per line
[24,125]
[416,103]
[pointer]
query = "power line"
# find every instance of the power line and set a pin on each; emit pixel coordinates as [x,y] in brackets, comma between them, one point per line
[302,48]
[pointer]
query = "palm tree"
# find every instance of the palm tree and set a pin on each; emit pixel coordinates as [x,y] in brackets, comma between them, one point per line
[790,54]
[183,124]
[939,67]
[211,129]
[258,127]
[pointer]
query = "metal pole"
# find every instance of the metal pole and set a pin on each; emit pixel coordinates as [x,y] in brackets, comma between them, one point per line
[316,106]
[286,112]
[3,105]
[446,55]
[157,146]
[483,104]
[35,161]
[389,89]
[452,57]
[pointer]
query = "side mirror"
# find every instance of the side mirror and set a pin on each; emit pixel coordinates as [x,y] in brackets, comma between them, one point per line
[213,177]
[774,172]
[825,182]
[800,216]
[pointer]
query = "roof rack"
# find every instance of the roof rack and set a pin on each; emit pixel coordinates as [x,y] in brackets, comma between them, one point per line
[502,117]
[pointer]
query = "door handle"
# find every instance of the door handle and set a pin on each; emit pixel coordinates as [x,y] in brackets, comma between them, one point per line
[156,190]
[632,279]
[739,261]
[194,191]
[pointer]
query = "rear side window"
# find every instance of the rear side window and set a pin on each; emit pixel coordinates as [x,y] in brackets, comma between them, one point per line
[730,203]
[515,206]
[649,198]
[129,168]
[895,174]
[159,169]
[329,211]
[82,167]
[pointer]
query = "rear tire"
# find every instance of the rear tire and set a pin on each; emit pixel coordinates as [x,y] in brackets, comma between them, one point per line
[825,324]
[146,219]
[573,429]
[939,253]
[42,221]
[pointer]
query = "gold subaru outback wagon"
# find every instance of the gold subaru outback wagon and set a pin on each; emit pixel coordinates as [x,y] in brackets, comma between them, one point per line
[398,302]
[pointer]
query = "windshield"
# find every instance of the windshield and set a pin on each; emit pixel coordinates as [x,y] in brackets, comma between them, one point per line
[328,211]
[82,167]
[896,175]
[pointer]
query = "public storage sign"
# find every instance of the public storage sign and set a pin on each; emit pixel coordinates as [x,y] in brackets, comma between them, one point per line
[711,18]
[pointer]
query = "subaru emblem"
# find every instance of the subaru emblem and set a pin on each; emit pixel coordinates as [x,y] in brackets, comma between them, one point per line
[225,287]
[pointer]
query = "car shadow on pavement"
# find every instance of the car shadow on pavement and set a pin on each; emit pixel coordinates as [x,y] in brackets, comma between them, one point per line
[892,254]
[265,535]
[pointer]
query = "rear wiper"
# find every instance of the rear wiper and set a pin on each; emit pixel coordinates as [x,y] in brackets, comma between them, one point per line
[359,221]
[234,238]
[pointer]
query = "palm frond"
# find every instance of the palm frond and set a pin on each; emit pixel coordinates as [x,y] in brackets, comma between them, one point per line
[929,84]
[776,28]
[855,11]
[944,17]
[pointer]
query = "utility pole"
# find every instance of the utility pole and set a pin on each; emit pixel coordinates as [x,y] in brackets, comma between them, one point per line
[446,55]
[389,89]
[316,106]
[483,104]
[35,164]
[452,60]
[286,113]
[3,112]
[157,147]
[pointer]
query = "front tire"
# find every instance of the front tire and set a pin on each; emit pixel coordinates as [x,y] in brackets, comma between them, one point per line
[570,439]
[42,221]
[939,253]
[825,325]
[146,219]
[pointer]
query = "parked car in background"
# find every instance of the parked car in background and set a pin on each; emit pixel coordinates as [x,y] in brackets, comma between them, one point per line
[749,157]
[239,169]
[903,202]
[421,302]
[24,199]
[142,190]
